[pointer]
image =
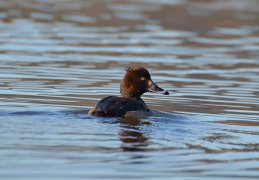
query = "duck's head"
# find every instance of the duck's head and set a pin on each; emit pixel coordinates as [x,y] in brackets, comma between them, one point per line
[136,82]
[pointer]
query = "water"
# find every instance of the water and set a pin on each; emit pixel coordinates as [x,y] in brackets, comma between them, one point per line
[58,58]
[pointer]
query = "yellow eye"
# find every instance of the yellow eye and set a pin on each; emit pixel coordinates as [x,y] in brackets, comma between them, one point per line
[142,78]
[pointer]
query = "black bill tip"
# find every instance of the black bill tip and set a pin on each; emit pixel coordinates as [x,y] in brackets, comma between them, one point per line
[166,93]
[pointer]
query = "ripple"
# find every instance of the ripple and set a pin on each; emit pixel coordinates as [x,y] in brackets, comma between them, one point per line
[58,58]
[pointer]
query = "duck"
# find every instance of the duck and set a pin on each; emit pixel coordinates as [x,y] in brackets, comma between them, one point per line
[134,84]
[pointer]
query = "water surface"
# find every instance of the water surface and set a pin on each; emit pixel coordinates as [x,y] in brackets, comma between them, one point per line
[58,58]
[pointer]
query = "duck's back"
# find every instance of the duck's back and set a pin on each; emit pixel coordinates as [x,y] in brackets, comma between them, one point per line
[113,106]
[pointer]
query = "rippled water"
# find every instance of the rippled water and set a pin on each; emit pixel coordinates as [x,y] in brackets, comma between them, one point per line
[59,57]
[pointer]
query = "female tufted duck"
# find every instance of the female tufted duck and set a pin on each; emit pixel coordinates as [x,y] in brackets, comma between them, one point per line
[136,82]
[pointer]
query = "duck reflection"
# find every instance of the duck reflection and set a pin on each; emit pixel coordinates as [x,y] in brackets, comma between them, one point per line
[131,136]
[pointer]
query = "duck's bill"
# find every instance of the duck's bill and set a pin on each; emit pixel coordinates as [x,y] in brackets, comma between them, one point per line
[156,89]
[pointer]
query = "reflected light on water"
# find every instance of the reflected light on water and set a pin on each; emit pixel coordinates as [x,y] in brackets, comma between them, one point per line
[58,58]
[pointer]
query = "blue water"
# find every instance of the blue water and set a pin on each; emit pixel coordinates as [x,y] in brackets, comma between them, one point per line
[71,144]
[59,58]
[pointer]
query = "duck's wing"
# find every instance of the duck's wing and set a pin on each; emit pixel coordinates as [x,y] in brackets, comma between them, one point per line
[112,106]
[107,107]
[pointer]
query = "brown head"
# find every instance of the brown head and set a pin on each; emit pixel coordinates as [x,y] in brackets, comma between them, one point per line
[136,82]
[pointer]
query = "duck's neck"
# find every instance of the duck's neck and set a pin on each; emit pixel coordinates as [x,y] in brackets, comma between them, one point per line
[131,97]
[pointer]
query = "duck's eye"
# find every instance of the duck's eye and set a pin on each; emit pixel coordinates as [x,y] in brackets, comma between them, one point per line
[142,78]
